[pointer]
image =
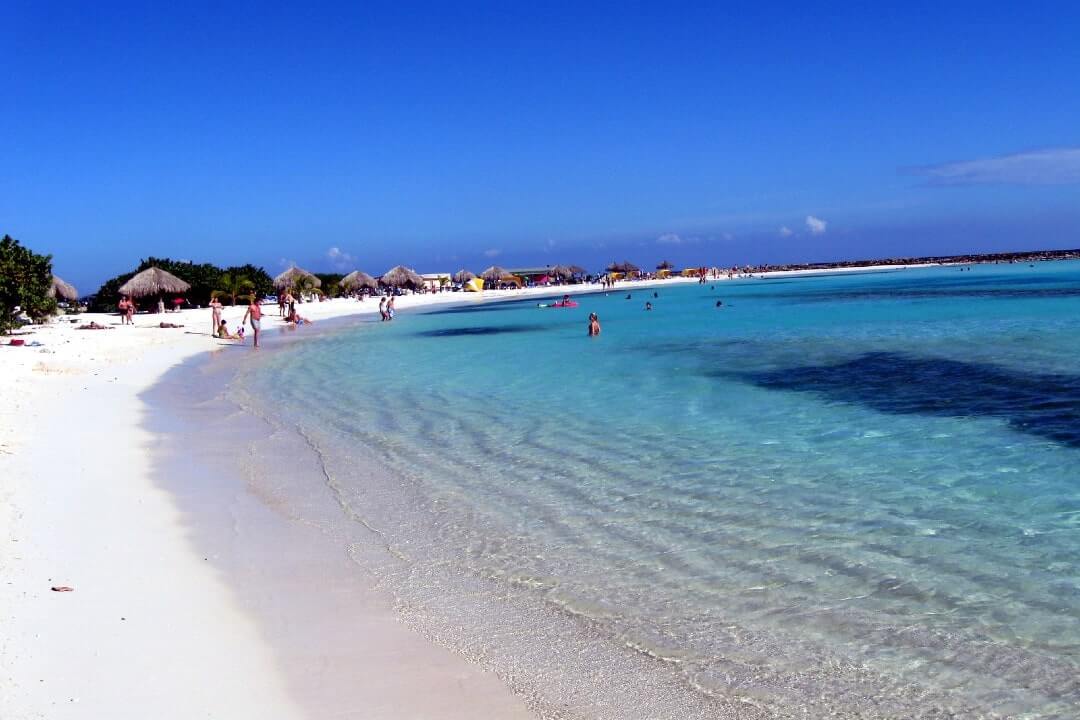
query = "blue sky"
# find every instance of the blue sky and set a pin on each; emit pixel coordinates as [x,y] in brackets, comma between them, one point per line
[454,135]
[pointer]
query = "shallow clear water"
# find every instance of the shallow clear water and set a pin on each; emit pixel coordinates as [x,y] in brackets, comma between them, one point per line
[856,494]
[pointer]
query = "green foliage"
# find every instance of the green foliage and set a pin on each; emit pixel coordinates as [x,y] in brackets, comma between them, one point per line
[330,283]
[302,285]
[105,299]
[25,280]
[205,280]
[233,284]
[261,282]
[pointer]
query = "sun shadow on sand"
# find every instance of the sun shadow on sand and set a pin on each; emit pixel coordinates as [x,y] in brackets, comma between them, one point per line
[1047,406]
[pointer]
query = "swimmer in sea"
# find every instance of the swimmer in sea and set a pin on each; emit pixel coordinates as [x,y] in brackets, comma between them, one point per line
[648,306]
[719,303]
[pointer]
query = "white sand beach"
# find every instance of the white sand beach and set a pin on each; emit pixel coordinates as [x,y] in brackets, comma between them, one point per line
[152,627]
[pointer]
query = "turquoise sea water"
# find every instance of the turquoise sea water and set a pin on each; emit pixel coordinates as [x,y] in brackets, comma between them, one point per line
[852,495]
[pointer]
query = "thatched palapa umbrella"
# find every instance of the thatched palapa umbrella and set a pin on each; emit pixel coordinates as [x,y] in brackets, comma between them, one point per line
[665,265]
[63,290]
[288,278]
[623,267]
[561,271]
[496,273]
[463,276]
[153,281]
[356,280]
[401,276]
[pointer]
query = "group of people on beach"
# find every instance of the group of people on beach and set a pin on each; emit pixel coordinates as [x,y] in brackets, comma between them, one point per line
[286,304]
[386,308]
[126,306]
[253,315]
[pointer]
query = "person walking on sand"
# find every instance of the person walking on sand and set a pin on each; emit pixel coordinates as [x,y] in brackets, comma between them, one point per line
[254,311]
[122,309]
[594,324]
[130,312]
[215,308]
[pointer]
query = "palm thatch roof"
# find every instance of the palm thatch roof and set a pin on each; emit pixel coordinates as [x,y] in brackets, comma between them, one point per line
[356,280]
[401,276]
[288,278]
[665,265]
[63,290]
[560,271]
[153,281]
[567,270]
[496,273]
[463,276]
[623,267]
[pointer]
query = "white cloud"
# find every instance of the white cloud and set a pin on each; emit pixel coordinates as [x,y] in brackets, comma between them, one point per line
[785,231]
[493,252]
[816,226]
[1054,166]
[669,239]
[339,258]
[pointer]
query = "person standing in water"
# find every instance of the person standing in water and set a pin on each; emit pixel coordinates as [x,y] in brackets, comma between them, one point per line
[215,312]
[254,311]
[594,324]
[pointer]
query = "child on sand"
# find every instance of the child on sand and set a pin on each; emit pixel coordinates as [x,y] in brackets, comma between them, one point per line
[224,334]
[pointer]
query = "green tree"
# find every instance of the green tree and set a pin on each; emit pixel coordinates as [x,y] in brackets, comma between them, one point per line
[303,285]
[25,279]
[105,299]
[261,281]
[330,286]
[233,284]
[205,280]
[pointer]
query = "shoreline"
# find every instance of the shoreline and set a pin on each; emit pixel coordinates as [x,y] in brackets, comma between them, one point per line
[83,508]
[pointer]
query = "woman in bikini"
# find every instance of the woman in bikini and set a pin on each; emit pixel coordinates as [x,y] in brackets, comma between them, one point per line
[215,307]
